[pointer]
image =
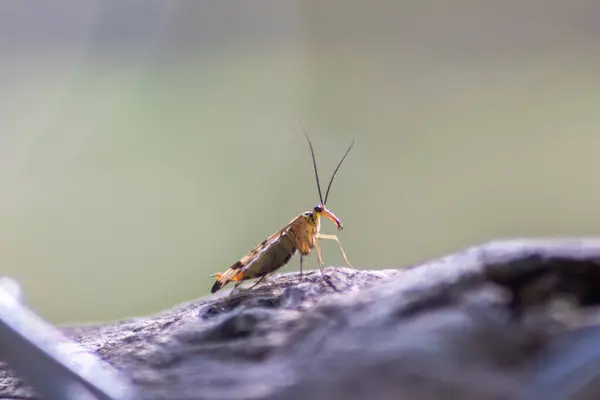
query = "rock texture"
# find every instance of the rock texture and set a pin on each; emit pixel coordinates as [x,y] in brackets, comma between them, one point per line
[506,320]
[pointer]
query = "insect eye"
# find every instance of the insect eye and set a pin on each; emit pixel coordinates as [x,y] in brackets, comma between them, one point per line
[318,209]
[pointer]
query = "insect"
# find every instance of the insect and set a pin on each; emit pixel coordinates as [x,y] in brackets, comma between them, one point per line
[301,235]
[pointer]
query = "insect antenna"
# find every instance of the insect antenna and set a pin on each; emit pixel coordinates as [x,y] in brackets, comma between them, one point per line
[336,170]
[312,153]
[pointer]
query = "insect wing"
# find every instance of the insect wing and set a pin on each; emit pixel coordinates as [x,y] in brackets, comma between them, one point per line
[272,253]
[264,258]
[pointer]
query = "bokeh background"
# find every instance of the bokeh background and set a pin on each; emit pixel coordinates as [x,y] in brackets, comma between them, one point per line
[147,144]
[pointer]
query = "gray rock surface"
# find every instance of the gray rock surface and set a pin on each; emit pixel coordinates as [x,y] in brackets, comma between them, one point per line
[506,320]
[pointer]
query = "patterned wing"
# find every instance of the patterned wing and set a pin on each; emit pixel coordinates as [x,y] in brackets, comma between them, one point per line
[277,248]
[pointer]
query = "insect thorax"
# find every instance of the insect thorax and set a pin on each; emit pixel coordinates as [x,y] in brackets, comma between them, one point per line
[313,219]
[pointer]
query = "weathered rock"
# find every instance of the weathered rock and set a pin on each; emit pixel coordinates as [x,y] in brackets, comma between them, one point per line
[506,320]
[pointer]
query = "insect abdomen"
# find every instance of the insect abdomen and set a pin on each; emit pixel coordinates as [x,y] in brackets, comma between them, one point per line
[266,260]
[271,258]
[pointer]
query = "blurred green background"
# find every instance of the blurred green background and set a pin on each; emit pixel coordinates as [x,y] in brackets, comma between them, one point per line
[147,144]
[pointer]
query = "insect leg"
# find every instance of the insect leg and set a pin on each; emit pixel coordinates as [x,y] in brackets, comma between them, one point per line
[235,287]
[301,259]
[259,281]
[319,255]
[333,237]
